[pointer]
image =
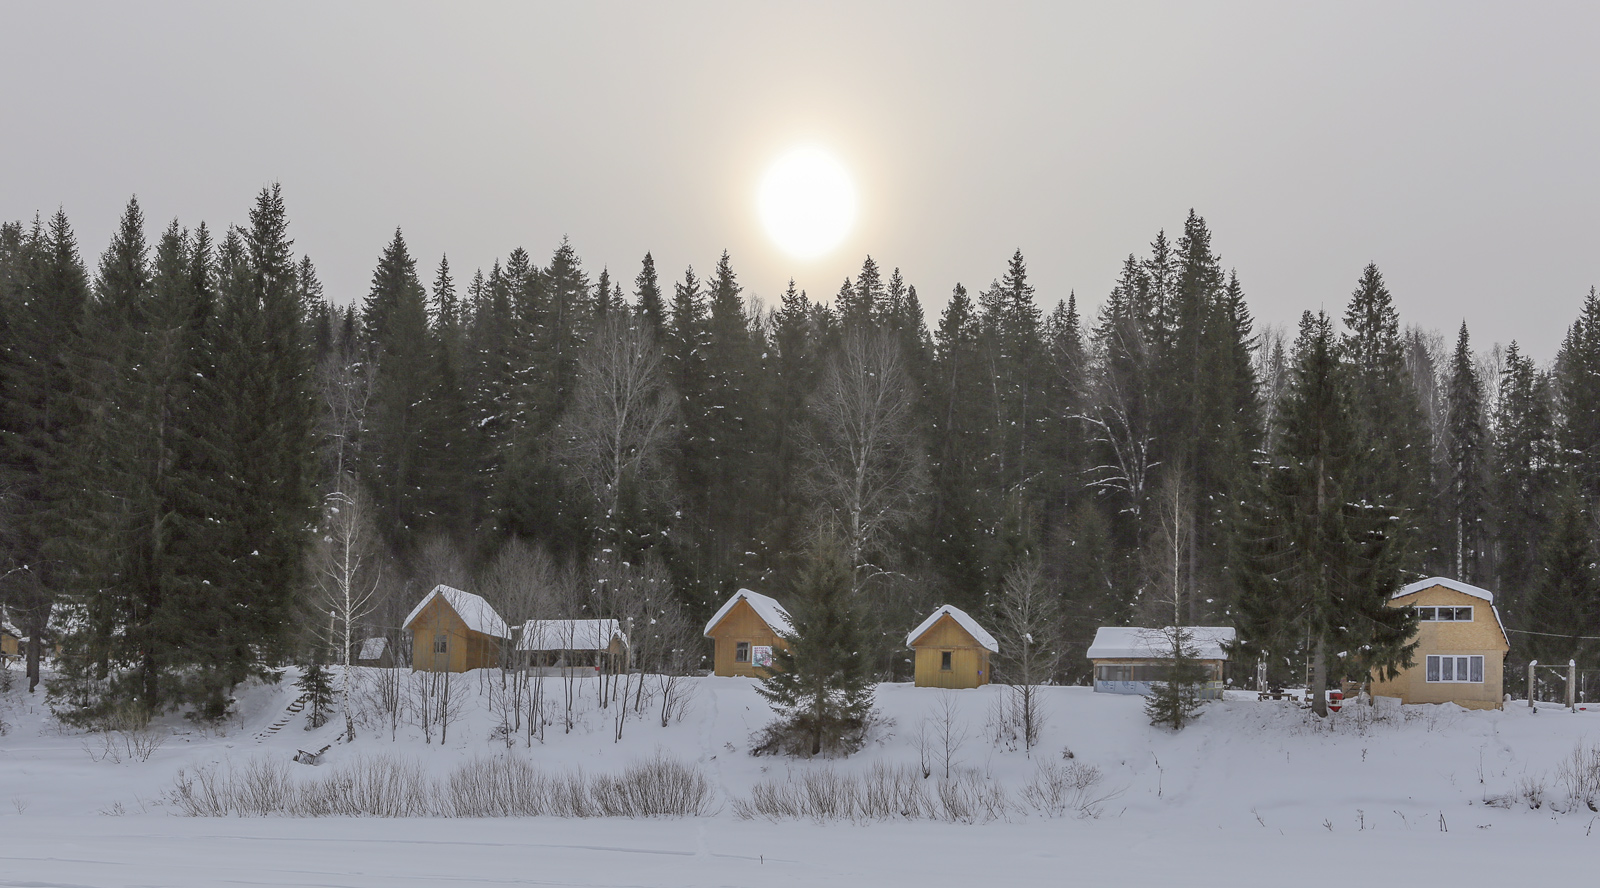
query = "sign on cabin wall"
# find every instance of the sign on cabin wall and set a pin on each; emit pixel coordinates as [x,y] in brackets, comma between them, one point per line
[761,655]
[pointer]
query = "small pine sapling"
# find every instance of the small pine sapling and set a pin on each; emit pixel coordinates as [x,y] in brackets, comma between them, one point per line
[318,690]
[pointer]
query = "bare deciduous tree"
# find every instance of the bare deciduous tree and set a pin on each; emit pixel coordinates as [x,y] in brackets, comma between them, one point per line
[621,419]
[347,572]
[866,466]
[1029,620]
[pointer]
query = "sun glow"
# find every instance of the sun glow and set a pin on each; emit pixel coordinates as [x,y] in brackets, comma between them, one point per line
[807,202]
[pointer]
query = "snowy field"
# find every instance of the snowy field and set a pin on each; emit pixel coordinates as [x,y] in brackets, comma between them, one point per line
[1254,793]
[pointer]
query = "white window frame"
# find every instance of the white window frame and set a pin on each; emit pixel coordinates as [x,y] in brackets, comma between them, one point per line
[1430,613]
[1433,668]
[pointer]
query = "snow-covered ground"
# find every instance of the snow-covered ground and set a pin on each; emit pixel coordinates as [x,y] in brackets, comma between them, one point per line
[1253,793]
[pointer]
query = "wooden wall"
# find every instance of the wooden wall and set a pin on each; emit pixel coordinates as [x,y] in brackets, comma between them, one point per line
[465,649]
[969,661]
[741,624]
[1482,637]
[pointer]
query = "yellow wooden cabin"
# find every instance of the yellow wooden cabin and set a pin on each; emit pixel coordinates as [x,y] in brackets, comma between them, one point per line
[951,650]
[1461,647]
[745,632]
[455,631]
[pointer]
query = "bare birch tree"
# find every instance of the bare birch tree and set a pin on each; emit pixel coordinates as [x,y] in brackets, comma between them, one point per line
[347,573]
[1030,650]
[622,417]
[867,470]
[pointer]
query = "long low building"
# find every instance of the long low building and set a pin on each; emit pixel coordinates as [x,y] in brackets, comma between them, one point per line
[1130,659]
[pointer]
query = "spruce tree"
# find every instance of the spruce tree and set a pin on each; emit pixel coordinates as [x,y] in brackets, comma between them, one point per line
[1577,374]
[1396,454]
[1320,566]
[1467,446]
[1525,459]
[819,686]
[45,316]
[647,291]
[402,424]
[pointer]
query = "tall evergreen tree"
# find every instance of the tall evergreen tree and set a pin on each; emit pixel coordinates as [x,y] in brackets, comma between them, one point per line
[1395,467]
[45,316]
[647,293]
[1577,374]
[1468,444]
[1321,566]
[402,423]
[1525,461]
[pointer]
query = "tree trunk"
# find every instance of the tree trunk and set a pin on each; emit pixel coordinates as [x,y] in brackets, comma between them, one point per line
[1319,677]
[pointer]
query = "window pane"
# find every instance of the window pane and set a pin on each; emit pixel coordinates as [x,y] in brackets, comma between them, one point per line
[1464,614]
[741,652]
[1424,614]
[1461,668]
[944,661]
[1447,669]
[1477,669]
[1433,668]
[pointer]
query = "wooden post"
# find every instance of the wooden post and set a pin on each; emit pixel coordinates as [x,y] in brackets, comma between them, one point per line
[1532,664]
[1572,685]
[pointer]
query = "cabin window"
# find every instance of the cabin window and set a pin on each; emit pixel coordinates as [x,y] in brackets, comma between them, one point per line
[1457,669]
[1444,614]
[441,643]
[944,661]
[741,652]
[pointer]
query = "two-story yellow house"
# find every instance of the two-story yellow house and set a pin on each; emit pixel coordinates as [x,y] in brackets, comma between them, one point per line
[1461,647]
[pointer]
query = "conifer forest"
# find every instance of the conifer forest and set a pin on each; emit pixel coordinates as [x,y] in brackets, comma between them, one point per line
[211,470]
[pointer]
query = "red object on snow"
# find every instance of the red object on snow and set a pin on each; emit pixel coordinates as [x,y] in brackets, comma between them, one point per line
[1335,700]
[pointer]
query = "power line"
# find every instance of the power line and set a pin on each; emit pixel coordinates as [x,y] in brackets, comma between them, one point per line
[1556,635]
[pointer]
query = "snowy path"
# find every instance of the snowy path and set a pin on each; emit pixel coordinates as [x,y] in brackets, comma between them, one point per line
[105,852]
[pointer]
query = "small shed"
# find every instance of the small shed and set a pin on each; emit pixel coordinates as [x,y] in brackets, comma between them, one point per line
[1130,659]
[951,650]
[573,647]
[745,632]
[454,631]
[1461,647]
[10,639]
[375,652]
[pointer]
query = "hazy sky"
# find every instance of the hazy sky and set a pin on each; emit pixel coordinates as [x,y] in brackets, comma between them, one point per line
[1457,145]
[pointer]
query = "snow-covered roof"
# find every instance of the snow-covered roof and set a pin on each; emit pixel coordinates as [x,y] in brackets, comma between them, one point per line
[1455,585]
[569,635]
[769,610]
[472,609]
[962,620]
[1135,643]
[373,648]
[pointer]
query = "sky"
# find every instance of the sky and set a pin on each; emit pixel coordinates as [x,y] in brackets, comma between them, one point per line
[1454,144]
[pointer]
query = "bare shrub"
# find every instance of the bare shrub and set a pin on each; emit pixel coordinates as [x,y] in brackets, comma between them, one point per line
[882,793]
[1071,789]
[1579,777]
[124,735]
[389,786]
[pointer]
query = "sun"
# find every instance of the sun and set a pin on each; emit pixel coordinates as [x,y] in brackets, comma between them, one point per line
[807,202]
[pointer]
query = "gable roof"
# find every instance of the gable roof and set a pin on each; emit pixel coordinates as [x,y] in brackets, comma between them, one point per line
[373,648]
[472,609]
[965,622]
[569,635]
[769,610]
[1135,643]
[1453,585]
